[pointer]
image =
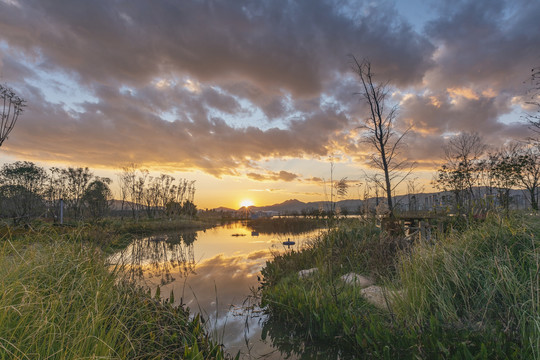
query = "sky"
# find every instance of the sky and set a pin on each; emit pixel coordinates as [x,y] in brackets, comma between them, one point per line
[255,99]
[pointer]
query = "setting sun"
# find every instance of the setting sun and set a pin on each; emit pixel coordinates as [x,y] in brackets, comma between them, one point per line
[246,203]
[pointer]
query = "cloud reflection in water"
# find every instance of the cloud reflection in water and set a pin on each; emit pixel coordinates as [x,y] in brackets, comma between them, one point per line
[220,287]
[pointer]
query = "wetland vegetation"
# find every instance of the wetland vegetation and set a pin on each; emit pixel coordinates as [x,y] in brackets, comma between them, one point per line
[60,300]
[472,294]
[472,291]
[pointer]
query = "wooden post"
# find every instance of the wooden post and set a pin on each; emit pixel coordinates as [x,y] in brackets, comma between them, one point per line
[61,211]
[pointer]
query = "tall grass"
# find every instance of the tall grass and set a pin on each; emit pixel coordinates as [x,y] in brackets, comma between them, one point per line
[485,279]
[474,294]
[59,300]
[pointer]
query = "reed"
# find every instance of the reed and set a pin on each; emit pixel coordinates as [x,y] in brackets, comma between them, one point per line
[59,300]
[484,279]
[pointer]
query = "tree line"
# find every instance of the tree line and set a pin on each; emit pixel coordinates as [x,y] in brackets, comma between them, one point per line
[475,174]
[154,196]
[28,191]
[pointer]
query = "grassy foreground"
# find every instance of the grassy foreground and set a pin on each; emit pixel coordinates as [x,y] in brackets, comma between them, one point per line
[59,300]
[474,294]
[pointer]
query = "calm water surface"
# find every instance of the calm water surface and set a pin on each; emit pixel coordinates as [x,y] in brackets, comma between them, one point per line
[213,272]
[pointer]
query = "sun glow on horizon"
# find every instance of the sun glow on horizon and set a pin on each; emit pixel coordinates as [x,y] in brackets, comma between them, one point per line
[246,203]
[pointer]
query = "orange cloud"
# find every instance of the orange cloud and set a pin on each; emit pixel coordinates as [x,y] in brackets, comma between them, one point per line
[464,92]
[273,176]
[489,93]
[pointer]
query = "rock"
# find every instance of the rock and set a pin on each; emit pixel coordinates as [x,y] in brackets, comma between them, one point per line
[308,272]
[379,296]
[357,280]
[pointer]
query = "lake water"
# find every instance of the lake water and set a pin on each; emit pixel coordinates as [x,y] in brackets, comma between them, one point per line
[213,272]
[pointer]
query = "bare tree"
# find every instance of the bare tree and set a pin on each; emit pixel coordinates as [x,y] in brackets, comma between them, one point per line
[124,186]
[460,173]
[486,174]
[12,107]
[413,189]
[380,132]
[156,195]
[534,118]
[132,183]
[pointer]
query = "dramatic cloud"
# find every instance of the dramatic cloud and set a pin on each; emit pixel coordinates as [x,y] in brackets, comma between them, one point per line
[221,86]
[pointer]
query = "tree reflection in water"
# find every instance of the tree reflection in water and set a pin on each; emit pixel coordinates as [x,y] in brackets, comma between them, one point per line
[217,284]
[159,256]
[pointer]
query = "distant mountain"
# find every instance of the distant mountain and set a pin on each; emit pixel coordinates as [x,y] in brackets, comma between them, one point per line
[224,209]
[286,206]
[294,205]
[410,202]
[116,205]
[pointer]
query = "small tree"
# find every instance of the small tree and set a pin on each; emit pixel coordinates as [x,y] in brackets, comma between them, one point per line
[413,189]
[338,189]
[189,209]
[22,186]
[380,132]
[506,170]
[97,198]
[56,191]
[12,107]
[77,181]
[529,174]
[20,204]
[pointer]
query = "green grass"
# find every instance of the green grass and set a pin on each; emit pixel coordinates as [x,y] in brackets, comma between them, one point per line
[474,294]
[59,300]
[321,312]
[149,226]
[349,247]
[290,225]
[485,279]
